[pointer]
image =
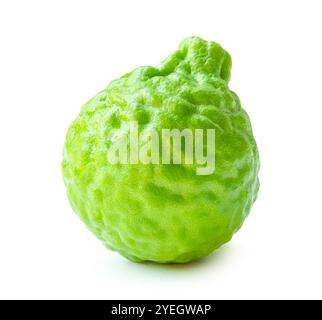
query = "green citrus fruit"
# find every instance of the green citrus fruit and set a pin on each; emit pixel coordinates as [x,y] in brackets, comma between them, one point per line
[156,211]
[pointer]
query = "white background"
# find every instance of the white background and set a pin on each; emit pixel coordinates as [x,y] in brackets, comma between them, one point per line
[55,55]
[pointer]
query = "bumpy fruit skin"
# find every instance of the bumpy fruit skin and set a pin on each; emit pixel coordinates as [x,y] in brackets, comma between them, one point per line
[164,213]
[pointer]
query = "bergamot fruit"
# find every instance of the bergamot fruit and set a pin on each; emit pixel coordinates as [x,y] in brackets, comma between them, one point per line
[164,212]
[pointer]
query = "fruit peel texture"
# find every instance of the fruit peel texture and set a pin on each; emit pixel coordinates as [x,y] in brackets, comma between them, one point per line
[164,213]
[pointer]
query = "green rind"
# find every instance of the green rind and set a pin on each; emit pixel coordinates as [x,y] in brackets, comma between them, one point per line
[164,213]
